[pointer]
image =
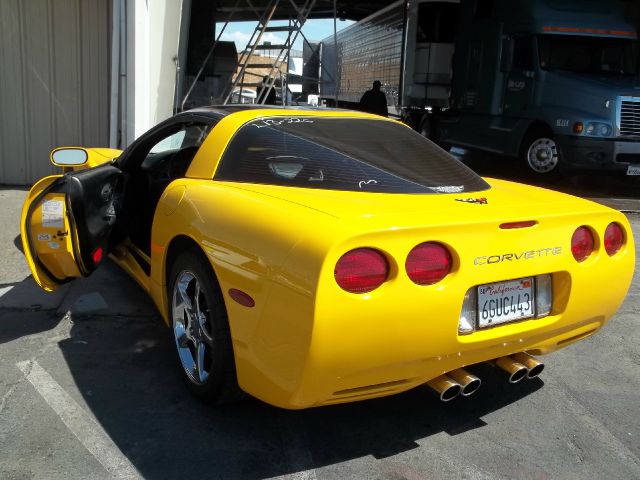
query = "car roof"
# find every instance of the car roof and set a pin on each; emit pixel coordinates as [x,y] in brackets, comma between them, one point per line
[220,111]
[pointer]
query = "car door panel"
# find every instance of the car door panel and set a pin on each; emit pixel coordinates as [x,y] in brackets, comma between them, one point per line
[45,235]
[67,223]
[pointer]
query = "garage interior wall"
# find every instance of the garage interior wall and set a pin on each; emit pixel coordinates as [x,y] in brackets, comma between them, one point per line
[54,82]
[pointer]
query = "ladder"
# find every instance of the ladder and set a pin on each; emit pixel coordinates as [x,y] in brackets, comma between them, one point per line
[248,65]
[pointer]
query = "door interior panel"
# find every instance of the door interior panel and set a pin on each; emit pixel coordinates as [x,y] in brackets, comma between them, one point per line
[94,198]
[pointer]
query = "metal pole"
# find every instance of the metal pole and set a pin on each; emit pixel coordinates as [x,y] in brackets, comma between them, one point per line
[403,55]
[181,57]
[335,42]
[124,84]
[115,75]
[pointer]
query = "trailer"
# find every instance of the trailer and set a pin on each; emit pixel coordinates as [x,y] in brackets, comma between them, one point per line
[552,83]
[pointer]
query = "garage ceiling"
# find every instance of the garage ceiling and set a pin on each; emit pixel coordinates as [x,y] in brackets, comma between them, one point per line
[347,9]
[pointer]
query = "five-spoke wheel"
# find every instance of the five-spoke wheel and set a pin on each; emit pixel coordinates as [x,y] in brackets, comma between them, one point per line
[200,329]
[192,327]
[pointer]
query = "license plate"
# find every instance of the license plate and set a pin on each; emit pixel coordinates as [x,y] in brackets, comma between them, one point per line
[504,302]
[633,170]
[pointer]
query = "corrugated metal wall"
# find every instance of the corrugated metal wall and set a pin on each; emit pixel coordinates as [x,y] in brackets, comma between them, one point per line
[54,82]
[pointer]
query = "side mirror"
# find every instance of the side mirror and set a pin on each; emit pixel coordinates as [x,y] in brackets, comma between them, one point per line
[69,156]
[506,59]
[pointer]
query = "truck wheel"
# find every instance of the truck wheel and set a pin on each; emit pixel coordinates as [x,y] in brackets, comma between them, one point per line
[540,154]
[200,330]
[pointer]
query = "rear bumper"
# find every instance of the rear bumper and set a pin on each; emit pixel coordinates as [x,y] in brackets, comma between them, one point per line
[388,379]
[350,347]
[391,359]
[599,154]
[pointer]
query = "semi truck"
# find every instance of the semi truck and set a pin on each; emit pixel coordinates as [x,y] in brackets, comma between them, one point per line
[552,82]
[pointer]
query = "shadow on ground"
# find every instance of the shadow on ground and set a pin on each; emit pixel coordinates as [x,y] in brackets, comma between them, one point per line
[17,242]
[125,370]
[123,366]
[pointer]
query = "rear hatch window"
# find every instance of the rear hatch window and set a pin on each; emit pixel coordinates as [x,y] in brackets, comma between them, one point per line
[351,154]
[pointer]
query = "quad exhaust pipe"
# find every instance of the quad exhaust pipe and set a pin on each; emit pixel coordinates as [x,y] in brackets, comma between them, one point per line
[469,383]
[519,366]
[534,365]
[446,387]
[460,382]
[452,384]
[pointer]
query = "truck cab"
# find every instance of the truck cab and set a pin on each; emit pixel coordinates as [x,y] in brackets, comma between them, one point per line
[554,83]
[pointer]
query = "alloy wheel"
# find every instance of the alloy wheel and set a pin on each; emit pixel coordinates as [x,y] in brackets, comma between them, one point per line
[192,327]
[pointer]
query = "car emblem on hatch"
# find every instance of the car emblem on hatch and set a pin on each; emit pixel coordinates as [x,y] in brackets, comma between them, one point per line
[480,201]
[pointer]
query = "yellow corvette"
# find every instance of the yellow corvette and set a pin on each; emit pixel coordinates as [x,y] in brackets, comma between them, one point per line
[314,257]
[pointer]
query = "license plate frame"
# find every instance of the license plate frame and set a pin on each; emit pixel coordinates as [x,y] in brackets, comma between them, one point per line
[513,301]
[633,170]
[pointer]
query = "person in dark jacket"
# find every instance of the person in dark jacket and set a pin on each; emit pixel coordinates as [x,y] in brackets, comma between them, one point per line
[375,101]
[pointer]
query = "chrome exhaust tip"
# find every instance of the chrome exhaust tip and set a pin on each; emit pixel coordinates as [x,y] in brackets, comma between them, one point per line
[534,365]
[446,388]
[515,370]
[469,383]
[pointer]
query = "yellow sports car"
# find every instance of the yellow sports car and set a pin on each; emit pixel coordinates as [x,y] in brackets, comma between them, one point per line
[313,257]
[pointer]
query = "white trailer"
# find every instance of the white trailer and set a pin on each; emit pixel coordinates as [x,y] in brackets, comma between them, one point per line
[374,49]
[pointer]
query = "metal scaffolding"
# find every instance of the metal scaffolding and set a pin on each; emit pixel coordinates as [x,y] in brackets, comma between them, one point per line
[272,64]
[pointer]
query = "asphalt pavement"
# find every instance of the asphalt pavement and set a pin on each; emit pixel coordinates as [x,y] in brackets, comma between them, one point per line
[89,389]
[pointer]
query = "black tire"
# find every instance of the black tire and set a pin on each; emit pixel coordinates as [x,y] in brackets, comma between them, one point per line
[426,128]
[203,325]
[540,154]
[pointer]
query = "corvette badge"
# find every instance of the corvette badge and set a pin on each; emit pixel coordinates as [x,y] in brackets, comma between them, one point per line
[480,201]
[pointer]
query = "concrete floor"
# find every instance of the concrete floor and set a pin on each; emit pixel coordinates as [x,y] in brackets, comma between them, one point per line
[89,389]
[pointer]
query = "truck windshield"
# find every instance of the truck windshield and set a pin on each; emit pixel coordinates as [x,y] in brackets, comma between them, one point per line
[590,55]
[352,154]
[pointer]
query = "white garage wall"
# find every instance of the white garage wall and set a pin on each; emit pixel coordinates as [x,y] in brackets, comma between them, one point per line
[147,63]
[54,82]
[157,31]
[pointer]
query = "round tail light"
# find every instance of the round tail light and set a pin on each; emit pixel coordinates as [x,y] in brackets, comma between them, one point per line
[428,263]
[613,238]
[361,270]
[582,243]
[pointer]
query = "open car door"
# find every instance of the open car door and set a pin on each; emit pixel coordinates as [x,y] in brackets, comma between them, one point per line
[68,221]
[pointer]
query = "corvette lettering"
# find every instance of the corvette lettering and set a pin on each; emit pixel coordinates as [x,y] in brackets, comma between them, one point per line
[515,256]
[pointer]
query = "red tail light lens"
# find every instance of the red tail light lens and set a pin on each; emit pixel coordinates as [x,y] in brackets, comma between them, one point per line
[582,243]
[613,238]
[361,270]
[428,263]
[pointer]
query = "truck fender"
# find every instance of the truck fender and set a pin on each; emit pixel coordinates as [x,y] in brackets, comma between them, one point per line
[529,128]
